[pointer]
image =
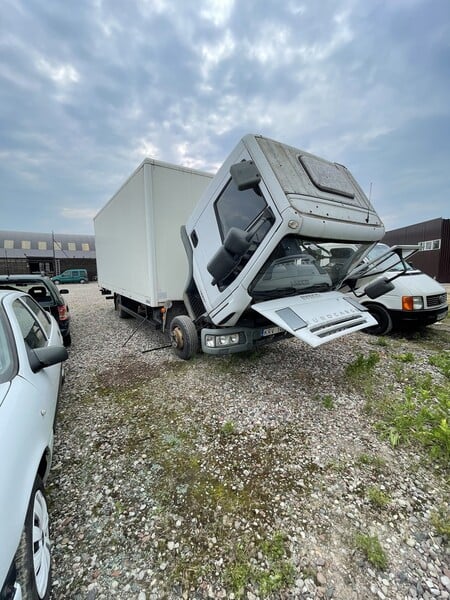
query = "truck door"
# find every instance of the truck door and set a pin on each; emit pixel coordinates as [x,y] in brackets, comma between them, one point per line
[249,214]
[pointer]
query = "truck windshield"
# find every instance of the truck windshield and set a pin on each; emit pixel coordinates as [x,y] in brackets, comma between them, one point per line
[301,266]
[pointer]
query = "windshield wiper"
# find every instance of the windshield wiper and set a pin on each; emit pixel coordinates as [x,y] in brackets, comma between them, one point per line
[291,291]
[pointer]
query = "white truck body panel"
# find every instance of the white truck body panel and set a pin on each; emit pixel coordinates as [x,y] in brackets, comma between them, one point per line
[140,254]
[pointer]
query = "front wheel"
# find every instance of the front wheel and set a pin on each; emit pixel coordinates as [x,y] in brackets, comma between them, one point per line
[82,280]
[33,561]
[184,337]
[56,281]
[384,320]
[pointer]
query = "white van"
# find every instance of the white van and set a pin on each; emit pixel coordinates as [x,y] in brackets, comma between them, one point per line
[415,298]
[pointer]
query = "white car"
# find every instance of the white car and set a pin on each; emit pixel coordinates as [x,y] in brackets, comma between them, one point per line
[31,357]
[414,298]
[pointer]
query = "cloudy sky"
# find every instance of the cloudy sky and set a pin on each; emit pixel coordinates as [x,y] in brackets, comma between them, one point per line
[89,88]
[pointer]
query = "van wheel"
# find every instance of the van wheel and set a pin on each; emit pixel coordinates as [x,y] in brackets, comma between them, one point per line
[33,561]
[56,281]
[82,280]
[384,320]
[184,337]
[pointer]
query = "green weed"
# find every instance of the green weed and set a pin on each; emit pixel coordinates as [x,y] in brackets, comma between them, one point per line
[442,362]
[370,546]
[377,497]
[440,519]
[362,366]
[406,357]
[327,402]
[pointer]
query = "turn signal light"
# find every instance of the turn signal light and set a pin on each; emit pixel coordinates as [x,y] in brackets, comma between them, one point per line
[412,303]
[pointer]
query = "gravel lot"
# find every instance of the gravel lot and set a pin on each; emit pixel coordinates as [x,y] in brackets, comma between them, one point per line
[246,476]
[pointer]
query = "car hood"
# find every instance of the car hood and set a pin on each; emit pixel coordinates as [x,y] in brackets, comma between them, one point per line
[4,387]
[419,284]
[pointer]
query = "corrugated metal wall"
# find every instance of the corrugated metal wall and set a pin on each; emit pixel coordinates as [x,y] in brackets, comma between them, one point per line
[435,263]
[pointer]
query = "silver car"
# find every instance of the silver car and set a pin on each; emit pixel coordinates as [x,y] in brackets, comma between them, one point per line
[31,371]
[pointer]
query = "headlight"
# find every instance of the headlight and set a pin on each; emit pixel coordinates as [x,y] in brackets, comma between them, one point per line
[220,341]
[412,303]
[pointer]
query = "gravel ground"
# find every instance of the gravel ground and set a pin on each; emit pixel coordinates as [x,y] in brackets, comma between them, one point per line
[246,476]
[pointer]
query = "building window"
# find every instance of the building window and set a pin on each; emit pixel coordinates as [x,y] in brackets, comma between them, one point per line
[8,244]
[430,245]
[26,245]
[42,245]
[71,246]
[85,247]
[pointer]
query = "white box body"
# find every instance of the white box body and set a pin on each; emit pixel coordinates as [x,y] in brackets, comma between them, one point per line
[140,254]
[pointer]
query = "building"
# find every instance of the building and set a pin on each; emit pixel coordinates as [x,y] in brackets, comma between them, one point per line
[433,237]
[49,253]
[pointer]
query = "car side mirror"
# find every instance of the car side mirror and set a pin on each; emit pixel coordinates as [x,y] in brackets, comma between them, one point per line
[40,358]
[245,175]
[378,288]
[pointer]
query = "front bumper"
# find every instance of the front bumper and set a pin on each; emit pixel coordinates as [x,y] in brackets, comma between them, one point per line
[249,339]
[419,317]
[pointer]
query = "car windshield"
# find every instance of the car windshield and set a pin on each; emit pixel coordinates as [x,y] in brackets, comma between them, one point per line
[301,266]
[392,262]
[6,356]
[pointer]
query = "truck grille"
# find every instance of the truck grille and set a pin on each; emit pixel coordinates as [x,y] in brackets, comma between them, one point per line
[436,300]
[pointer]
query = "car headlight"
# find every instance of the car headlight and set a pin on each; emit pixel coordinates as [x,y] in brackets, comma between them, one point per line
[221,341]
[412,303]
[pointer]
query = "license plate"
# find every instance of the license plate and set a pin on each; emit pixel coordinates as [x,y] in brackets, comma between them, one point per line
[271,331]
[441,315]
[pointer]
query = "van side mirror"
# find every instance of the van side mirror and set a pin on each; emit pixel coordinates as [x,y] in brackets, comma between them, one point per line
[245,175]
[378,288]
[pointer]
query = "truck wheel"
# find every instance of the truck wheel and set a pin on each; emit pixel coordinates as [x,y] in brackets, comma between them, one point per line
[184,337]
[384,321]
[33,560]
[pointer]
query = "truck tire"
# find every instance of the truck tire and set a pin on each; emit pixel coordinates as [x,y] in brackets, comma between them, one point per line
[184,337]
[33,561]
[384,320]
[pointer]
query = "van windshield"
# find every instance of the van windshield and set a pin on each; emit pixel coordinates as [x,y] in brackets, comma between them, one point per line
[391,263]
[301,266]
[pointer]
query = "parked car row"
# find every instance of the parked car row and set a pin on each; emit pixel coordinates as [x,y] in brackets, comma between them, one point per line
[47,294]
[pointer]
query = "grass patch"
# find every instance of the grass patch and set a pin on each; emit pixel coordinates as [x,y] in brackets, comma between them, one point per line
[377,497]
[371,460]
[265,566]
[420,415]
[442,362]
[406,357]
[362,366]
[328,402]
[370,546]
[440,519]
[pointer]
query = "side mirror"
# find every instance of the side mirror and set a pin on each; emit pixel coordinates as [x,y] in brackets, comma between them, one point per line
[245,175]
[46,357]
[378,288]
[235,245]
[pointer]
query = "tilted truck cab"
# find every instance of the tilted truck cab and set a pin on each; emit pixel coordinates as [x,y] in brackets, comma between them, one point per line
[248,266]
[255,243]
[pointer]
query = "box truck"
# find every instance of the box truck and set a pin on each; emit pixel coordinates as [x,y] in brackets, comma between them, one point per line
[233,261]
[415,298]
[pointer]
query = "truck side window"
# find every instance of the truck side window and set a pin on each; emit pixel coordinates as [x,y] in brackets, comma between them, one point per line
[236,208]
